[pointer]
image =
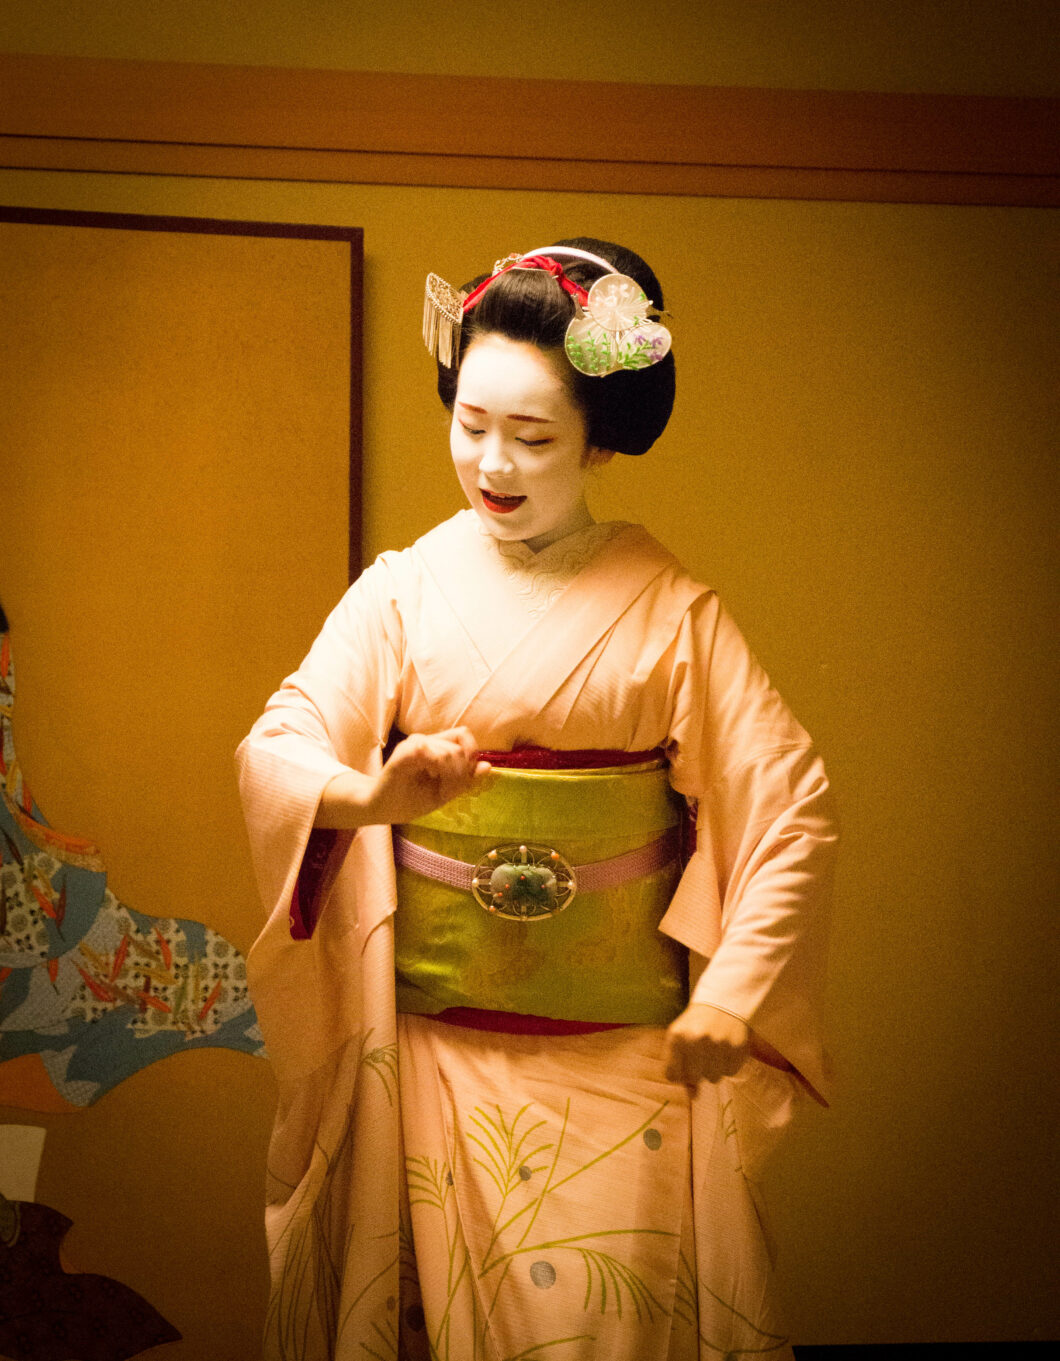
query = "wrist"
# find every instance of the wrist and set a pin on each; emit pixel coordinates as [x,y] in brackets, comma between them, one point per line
[348,801]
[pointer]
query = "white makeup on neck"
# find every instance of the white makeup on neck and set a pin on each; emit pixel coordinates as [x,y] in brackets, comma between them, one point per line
[518,442]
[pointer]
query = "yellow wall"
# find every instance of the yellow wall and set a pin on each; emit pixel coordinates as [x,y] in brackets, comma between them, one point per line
[1004,47]
[859,461]
[158,561]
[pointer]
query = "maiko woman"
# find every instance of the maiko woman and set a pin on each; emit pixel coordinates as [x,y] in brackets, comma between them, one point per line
[540,979]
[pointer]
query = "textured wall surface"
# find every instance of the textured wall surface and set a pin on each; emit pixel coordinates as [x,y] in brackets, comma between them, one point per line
[860,461]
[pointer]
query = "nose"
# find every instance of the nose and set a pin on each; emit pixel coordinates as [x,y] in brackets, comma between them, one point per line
[495,461]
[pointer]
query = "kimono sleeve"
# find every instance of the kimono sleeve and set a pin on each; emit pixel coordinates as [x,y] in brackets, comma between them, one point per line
[753,901]
[333,714]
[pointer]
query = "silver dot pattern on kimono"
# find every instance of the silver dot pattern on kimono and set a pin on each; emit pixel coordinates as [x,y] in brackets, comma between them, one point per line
[543,1275]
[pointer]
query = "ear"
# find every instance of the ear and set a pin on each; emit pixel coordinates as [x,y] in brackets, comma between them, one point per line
[596,458]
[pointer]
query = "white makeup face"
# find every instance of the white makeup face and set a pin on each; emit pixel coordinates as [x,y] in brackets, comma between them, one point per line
[518,442]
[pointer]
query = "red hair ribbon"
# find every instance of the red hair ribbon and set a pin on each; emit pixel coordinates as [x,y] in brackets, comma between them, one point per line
[544,262]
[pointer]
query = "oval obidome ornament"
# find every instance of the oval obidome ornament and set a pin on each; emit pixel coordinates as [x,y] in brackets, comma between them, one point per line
[523,883]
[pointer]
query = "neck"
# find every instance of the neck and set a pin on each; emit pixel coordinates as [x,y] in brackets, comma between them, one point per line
[579,519]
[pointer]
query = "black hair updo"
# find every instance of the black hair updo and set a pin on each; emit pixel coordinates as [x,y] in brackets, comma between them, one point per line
[625,411]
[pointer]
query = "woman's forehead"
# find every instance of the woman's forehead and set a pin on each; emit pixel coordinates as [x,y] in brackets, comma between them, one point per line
[510,377]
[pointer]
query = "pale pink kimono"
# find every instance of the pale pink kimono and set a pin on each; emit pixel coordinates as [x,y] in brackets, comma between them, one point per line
[436,1191]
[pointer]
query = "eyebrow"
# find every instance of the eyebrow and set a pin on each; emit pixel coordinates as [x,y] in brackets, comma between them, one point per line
[512,416]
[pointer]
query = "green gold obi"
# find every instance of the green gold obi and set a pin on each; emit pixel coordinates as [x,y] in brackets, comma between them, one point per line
[602,958]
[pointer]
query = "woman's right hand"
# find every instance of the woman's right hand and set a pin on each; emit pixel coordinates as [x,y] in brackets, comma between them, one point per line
[423,772]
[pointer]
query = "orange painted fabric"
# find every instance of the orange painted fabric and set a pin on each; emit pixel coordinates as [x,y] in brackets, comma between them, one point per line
[600,640]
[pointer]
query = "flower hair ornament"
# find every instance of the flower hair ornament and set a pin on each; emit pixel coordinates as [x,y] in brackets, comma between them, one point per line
[615,325]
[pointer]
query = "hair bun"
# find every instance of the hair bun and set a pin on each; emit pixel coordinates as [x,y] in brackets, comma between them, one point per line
[625,411]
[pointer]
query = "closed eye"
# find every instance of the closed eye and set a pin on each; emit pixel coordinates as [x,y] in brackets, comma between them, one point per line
[533,443]
[470,430]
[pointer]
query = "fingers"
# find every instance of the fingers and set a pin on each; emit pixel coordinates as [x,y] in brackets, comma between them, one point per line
[692,1062]
[427,770]
[464,738]
[705,1045]
[448,759]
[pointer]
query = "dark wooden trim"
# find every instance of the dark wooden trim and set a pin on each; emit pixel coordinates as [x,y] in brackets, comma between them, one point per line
[352,236]
[784,182]
[355,559]
[176,118]
[210,226]
[923,1351]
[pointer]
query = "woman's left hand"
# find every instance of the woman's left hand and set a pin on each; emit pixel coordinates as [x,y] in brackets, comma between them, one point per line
[705,1044]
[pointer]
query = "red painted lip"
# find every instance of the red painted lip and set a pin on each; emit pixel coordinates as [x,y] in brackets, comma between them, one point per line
[500,505]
